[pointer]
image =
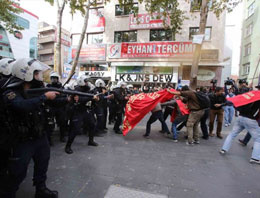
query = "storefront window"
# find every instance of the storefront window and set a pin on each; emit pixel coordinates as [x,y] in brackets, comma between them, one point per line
[125,9]
[93,67]
[161,35]
[95,38]
[33,47]
[125,36]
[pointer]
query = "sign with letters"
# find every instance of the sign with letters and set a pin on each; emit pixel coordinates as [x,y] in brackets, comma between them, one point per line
[156,78]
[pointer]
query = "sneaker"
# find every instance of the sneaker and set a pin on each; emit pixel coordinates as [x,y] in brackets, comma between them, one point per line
[226,125]
[219,136]
[229,124]
[254,161]
[190,143]
[222,152]
[196,142]
[175,140]
[241,142]
[146,136]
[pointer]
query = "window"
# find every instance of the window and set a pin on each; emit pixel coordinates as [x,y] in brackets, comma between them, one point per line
[95,38]
[246,69]
[22,22]
[161,35]
[249,30]
[195,30]
[251,9]
[125,36]
[248,49]
[126,9]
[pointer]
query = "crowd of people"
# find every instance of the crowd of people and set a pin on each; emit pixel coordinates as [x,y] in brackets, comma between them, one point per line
[31,110]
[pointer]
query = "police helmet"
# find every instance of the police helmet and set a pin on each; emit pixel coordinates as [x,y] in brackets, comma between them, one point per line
[55,75]
[6,66]
[25,69]
[129,86]
[81,81]
[121,84]
[100,83]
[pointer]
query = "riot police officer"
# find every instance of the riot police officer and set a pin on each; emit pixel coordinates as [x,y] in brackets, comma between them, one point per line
[100,105]
[56,111]
[5,74]
[29,142]
[120,97]
[81,112]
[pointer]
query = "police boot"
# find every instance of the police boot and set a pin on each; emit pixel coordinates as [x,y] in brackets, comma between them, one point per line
[68,149]
[92,143]
[46,193]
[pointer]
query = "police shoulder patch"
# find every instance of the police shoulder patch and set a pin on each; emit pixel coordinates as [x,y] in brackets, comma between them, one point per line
[11,95]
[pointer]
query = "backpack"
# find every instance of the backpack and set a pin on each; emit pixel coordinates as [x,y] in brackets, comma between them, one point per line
[204,101]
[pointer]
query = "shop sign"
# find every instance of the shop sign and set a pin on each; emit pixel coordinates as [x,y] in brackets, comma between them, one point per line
[151,50]
[66,71]
[96,21]
[146,21]
[205,75]
[91,52]
[98,74]
[156,78]
[18,35]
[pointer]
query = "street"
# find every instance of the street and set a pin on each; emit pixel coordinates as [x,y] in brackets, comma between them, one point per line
[156,165]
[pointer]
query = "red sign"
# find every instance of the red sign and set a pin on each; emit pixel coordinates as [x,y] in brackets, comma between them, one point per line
[91,52]
[146,21]
[152,50]
[96,22]
[1,36]
[18,35]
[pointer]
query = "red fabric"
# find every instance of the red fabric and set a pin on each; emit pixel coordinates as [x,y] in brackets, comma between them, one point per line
[139,105]
[183,108]
[245,98]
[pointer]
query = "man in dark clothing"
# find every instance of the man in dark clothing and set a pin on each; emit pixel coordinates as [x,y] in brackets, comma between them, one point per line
[26,117]
[217,101]
[120,97]
[56,111]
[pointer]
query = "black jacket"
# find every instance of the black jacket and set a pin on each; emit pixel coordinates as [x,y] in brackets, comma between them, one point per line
[214,99]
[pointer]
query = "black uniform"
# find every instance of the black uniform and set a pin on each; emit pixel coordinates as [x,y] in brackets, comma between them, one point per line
[100,110]
[58,112]
[81,113]
[119,96]
[27,118]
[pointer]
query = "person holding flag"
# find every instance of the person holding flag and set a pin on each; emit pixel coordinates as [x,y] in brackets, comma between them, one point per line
[248,104]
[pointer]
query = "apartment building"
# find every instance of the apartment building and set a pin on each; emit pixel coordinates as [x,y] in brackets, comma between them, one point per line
[250,51]
[46,44]
[145,52]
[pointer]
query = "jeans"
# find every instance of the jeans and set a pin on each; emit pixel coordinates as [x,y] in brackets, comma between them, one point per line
[178,120]
[158,115]
[252,127]
[229,114]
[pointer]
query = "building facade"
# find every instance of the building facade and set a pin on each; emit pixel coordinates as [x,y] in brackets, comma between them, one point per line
[23,43]
[250,51]
[145,52]
[47,42]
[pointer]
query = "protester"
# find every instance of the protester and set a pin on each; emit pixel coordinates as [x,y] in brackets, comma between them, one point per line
[229,108]
[196,113]
[217,100]
[157,114]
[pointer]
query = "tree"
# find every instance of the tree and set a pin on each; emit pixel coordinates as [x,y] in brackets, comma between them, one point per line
[7,15]
[217,6]
[60,6]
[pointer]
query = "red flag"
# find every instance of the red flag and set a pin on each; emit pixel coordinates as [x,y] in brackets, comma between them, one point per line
[183,108]
[139,105]
[245,98]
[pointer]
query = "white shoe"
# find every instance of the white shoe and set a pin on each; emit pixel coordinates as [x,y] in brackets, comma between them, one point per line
[254,161]
[222,152]
[226,125]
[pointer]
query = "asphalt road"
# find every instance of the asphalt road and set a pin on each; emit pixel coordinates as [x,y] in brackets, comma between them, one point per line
[156,165]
